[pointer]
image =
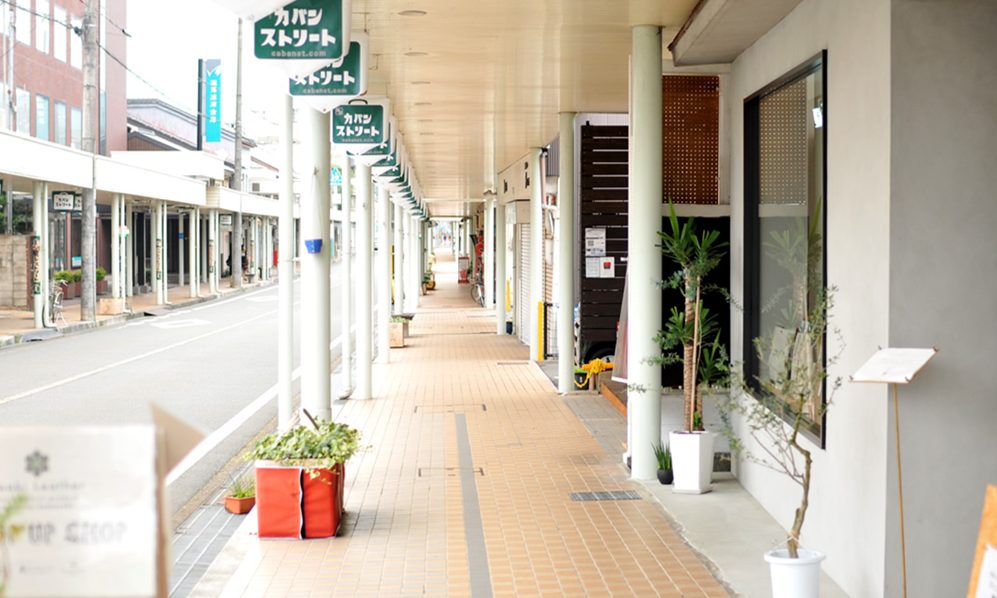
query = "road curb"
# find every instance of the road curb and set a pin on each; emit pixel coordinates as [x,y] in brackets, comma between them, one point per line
[43,334]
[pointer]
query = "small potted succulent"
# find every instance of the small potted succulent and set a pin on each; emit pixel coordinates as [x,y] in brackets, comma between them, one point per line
[664,457]
[241,495]
[300,477]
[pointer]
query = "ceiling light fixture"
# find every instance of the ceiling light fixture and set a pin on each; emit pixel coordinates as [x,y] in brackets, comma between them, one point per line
[416,53]
[420,83]
[423,103]
[413,13]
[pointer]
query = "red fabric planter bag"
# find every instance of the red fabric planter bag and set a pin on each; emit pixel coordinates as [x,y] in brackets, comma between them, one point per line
[322,503]
[278,501]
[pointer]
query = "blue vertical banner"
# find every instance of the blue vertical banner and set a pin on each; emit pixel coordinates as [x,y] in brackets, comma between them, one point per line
[213,100]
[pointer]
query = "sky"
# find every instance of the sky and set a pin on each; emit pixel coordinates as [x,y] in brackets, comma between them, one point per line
[166,43]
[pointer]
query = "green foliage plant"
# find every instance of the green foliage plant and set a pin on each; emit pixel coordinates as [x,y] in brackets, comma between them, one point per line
[243,486]
[696,255]
[778,406]
[101,273]
[663,455]
[9,532]
[322,445]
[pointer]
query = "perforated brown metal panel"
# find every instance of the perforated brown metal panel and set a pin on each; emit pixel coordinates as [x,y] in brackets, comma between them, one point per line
[691,139]
[783,143]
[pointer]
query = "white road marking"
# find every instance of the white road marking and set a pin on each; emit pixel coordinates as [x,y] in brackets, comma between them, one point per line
[215,438]
[188,323]
[111,366]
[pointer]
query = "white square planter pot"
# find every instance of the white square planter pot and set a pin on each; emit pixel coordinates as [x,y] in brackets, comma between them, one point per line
[692,461]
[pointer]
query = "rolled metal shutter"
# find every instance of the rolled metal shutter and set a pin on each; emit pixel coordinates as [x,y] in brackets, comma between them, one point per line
[523,285]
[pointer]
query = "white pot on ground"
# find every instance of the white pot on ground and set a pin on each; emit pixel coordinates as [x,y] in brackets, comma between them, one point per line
[692,461]
[795,578]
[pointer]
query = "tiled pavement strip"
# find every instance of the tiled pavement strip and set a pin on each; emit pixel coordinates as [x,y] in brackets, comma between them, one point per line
[404,532]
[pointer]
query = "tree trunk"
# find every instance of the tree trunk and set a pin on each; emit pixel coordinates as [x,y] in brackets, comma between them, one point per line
[688,365]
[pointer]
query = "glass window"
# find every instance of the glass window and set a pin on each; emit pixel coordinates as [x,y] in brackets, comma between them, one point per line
[59,122]
[76,44]
[43,24]
[61,33]
[22,21]
[41,117]
[785,190]
[23,103]
[76,130]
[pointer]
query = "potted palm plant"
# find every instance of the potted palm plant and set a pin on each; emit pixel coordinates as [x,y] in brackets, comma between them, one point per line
[300,478]
[696,255]
[241,495]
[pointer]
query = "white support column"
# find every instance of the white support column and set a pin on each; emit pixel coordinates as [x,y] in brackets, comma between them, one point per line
[399,261]
[315,290]
[365,258]
[115,245]
[488,274]
[130,251]
[165,249]
[285,274]
[46,256]
[203,233]
[644,265]
[212,252]
[566,256]
[405,263]
[383,277]
[159,265]
[39,224]
[500,268]
[181,237]
[346,363]
[191,252]
[536,253]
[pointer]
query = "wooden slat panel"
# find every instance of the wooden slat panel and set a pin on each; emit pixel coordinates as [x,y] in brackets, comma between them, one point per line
[599,321]
[604,207]
[603,284]
[589,168]
[604,194]
[616,156]
[602,309]
[599,182]
[601,335]
[603,220]
[595,132]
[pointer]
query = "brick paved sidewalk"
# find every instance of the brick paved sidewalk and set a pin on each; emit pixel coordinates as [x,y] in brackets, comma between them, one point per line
[466,489]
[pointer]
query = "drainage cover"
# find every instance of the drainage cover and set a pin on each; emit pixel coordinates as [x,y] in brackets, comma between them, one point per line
[610,495]
[513,363]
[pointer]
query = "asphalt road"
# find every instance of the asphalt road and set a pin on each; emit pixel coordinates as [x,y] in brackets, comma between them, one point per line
[204,364]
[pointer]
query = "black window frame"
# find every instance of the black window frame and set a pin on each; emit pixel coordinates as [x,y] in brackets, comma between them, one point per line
[752,241]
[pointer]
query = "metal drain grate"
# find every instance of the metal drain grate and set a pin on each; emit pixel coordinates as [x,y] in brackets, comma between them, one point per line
[512,363]
[610,495]
[462,408]
[450,472]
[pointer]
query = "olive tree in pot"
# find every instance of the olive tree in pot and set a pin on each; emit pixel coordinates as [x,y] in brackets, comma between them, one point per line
[696,255]
[792,391]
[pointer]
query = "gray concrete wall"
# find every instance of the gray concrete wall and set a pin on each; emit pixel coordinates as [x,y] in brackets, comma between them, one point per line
[846,519]
[943,283]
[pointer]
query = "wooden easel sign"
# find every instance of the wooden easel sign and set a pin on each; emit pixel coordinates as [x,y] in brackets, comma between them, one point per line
[983,582]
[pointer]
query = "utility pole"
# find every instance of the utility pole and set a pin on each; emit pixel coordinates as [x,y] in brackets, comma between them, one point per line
[88,302]
[237,176]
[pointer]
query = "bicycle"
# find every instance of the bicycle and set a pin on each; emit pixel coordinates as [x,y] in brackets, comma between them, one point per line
[55,301]
[478,291]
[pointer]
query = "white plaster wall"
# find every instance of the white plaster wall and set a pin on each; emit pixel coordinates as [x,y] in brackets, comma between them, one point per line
[847,511]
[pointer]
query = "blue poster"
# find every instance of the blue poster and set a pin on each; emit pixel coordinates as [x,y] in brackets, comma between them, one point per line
[213,100]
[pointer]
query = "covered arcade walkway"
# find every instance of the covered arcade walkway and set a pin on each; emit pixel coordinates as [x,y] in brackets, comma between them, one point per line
[467,486]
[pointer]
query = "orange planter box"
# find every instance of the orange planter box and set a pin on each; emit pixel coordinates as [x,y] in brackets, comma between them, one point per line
[290,503]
